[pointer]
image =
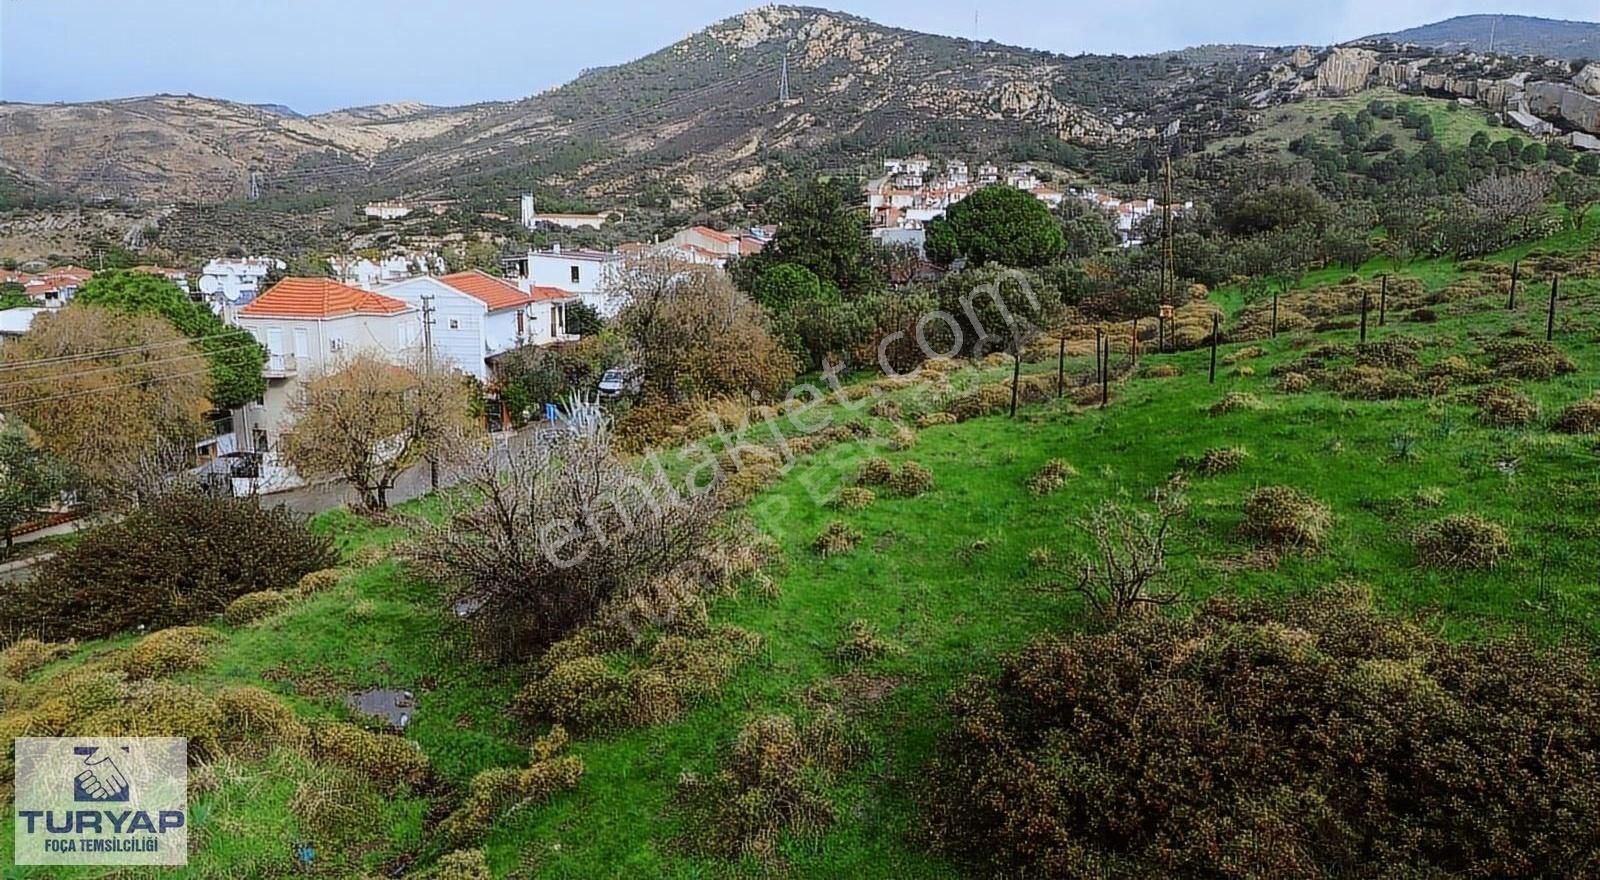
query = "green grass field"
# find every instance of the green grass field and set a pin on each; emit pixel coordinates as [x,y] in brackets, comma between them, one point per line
[1453,125]
[947,579]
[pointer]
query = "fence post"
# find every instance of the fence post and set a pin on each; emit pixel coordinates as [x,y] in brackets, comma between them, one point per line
[1216,324]
[1016,375]
[1274,314]
[1383,301]
[1133,353]
[1550,317]
[1511,298]
[1105,376]
[1365,298]
[1061,366]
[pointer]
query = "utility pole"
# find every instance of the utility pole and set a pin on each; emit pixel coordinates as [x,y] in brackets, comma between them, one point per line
[783,80]
[1169,283]
[427,369]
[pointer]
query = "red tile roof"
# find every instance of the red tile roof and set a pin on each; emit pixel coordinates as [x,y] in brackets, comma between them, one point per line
[713,234]
[319,298]
[550,294]
[496,293]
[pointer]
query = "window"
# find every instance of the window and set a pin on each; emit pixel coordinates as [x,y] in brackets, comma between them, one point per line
[455,323]
[521,329]
[575,275]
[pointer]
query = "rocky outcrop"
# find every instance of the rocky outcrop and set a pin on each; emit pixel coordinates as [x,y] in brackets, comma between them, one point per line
[1346,70]
[1588,79]
[1554,100]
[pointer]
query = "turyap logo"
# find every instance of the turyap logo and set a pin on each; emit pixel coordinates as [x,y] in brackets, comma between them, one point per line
[102,781]
[102,801]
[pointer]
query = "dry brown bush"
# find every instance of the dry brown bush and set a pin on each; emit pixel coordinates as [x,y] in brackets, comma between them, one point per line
[1582,417]
[1051,477]
[836,538]
[1462,541]
[1502,407]
[1285,517]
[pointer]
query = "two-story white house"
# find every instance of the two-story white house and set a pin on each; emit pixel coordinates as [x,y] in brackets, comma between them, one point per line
[583,273]
[308,325]
[477,317]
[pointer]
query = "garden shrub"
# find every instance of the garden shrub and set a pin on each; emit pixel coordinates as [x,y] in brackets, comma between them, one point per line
[1582,417]
[1502,407]
[501,790]
[389,761]
[1051,477]
[169,651]
[252,607]
[1235,401]
[913,479]
[26,656]
[774,780]
[837,537]
[1462,541]
[177,560]
[1281,516]
[1211,746]
[854,498]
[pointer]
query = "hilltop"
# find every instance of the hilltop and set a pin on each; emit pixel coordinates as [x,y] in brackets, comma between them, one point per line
[1510,34]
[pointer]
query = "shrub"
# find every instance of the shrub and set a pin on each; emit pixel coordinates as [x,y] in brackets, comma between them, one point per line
[178,560]
[1505,408]
[26,656]
[158,708]
[1217,460]
[585,693]
[1422,316]
[1394,354]
[774,780]
[1247,719]
[1462,541]
[501,790]
[252,607]
[1582,417]
[887,408]
[1244,371]
[838,537]
[463,864]
[930,420]
[875,472]
[1294,383]
[1051,477]
[1375,383]
[1281,516]
[903,438]
[250,714]
[1235,401]
[913,479]
[389,761]
[1243,354]
[1163,371]
[861,644]
[1525,359]
[169,651]
[854,498]
[320,581]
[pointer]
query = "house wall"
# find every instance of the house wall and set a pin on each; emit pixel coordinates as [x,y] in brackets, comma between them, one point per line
[556,269]
[458,323]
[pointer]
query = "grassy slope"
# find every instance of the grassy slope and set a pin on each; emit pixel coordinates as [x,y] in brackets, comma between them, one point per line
[946,578]
[1453,125]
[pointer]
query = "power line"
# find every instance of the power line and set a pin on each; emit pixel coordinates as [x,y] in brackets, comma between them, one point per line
[112,352]
[78,374]
[85,392]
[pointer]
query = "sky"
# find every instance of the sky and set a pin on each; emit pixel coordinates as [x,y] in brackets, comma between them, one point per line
[318,55]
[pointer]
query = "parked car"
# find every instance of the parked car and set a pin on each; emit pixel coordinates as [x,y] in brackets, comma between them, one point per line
[621,382]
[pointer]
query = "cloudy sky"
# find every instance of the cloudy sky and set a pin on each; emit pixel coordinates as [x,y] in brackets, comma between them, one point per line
[316,55]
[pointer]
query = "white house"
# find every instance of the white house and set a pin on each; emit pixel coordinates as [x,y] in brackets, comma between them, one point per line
[307,326]
[532,218]
[478,317]
[387,210]
[16,322]
[236,281]
[583,273]
[369,274]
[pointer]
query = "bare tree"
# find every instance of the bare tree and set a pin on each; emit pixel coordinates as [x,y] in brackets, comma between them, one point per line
[367,421]
[1125,572]
[1511,199]
[548,532]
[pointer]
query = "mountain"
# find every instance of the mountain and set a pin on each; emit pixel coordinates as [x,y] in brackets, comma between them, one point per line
[1507,34]
[705,110]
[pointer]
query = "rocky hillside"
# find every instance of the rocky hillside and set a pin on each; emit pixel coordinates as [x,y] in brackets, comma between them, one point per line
[1509,34]
[706,109]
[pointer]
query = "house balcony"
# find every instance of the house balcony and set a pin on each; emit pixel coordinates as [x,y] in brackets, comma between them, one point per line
[280,366]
